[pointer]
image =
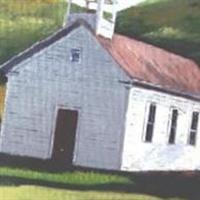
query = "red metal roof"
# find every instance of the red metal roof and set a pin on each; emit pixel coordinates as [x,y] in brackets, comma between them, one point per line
[154,65]
[143,62]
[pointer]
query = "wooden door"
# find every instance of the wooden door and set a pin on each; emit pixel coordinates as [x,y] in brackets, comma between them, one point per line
[64,139]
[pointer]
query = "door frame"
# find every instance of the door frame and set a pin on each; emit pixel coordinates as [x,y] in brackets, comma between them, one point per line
[77,134]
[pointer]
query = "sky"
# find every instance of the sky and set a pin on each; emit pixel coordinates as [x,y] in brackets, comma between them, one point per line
[122,4]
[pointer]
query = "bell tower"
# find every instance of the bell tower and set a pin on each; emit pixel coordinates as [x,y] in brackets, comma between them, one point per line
[106,18]
[99,14]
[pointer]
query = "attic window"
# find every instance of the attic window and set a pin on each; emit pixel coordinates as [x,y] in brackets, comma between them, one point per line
[75,55]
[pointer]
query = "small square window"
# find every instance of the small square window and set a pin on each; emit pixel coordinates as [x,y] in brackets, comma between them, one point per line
[75,55]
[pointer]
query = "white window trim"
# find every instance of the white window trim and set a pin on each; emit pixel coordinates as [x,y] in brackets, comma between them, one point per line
[189,129]
[146,114]
[170,123]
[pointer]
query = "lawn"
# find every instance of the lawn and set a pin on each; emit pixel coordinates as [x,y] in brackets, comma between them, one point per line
[44,193]
[27,179]
[28,184]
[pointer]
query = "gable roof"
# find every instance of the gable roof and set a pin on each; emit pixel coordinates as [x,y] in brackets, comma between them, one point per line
[153,65]
[145,63]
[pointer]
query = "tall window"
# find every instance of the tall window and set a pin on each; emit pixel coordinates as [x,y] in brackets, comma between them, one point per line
[193,128]
[150,123]
[172,133]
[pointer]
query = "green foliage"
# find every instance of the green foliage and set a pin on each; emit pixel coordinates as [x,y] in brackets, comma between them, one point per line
[23,22]
[173,25]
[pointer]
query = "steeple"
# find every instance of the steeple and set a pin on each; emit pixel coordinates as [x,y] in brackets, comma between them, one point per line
[100,15]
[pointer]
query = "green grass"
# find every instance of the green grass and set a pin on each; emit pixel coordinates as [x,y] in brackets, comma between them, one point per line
[23,22]
[171,24]
[20,177]
[76,178]
[34,192]
[27,184]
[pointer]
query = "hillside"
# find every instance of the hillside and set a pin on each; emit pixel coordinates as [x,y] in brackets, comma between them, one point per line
[24,22]
[171,24]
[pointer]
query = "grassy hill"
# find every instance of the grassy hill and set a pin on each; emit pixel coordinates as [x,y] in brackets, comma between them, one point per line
[171,24]
[24,22]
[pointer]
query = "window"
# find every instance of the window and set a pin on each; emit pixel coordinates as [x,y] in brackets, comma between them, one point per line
[193,128]
[172,133]
[75,55]
[150,123]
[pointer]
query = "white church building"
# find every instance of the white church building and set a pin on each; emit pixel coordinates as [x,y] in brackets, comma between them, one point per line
[89,97]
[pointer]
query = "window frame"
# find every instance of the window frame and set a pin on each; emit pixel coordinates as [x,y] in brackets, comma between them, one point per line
[148,122]
[171,128]
[191,130]
[73,51]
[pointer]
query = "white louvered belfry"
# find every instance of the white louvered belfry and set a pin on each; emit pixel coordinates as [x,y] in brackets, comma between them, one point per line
[102,19]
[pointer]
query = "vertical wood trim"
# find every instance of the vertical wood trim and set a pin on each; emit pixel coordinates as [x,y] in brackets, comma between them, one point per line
[123,132]
[4,113]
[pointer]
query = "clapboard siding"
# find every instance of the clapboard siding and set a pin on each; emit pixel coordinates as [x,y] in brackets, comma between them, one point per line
[159,155]
[48,80]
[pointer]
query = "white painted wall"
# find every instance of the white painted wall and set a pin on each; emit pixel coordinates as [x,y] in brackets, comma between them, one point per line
[48,80]
[159,155]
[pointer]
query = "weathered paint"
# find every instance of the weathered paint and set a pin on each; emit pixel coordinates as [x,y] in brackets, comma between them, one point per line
[48,80]
[159,155]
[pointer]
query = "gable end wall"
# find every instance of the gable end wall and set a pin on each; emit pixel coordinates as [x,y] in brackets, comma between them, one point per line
[47,81]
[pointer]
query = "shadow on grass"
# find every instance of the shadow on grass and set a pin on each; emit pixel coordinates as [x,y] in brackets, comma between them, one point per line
[164,187]
[161,184]
[33,164]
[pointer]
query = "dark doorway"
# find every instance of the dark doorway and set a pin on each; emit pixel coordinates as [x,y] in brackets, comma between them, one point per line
[64,138]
